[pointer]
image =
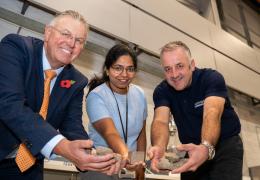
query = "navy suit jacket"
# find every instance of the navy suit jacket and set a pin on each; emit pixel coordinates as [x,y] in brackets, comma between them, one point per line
[21,94]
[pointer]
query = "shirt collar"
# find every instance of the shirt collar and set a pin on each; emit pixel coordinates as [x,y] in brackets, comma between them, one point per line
[46,65]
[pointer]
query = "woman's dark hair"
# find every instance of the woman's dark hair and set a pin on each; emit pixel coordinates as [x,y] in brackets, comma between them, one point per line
[113,54]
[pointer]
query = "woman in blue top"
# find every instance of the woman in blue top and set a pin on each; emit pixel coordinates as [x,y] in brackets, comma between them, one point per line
[117,109]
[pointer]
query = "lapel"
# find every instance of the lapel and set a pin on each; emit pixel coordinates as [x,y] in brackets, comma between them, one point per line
[39,79]
[58,93]
[37,73]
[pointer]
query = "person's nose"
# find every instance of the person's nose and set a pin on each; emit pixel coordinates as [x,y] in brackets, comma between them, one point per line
[174,73]
[124,72]
[71,41]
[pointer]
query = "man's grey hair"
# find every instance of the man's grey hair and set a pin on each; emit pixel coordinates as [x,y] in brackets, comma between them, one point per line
[74,14]
[171,46]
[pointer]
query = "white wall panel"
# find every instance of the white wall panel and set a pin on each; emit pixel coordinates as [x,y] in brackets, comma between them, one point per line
[228,44]
[14,6]
[38,15]
[27,32]
[111,16]
[7,28]
[177,15]
[237,76]
[258,58]
[151,34]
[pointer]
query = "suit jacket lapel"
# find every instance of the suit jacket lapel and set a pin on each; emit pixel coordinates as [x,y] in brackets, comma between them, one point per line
[34,78]
[39,77]
[58,92]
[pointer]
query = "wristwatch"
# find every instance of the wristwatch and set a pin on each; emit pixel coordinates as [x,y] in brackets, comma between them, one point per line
[210,148]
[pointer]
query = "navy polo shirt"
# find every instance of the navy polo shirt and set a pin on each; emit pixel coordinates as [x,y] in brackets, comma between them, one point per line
[187,105]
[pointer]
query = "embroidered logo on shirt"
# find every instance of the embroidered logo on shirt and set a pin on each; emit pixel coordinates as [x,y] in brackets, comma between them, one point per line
[198,104]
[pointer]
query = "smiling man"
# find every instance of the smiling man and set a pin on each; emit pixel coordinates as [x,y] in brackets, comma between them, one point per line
[38,115]
[207,124]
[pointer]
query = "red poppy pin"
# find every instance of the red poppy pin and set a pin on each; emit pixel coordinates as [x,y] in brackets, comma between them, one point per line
[66,83]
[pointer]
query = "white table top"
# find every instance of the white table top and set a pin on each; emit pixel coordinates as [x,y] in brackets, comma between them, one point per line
[59,164]
[62,164]
[157,176]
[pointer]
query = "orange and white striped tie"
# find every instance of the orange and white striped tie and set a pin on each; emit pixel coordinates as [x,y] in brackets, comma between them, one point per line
[24,159]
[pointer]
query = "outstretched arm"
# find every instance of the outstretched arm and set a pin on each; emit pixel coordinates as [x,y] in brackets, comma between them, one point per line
[198,154]
[159,135]
[109,132]
[213,109]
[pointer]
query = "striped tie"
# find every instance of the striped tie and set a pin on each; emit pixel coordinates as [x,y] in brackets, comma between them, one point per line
[24,159]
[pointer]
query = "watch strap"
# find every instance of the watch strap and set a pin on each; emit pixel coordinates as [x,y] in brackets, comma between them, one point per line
[211,149]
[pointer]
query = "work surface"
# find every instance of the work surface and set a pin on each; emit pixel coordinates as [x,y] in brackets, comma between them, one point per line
[62,164]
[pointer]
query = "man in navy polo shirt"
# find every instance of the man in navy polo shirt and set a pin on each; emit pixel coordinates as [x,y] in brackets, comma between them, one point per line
[207,124]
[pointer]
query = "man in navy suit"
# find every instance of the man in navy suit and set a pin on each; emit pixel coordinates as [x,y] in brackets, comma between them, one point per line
[22,64]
